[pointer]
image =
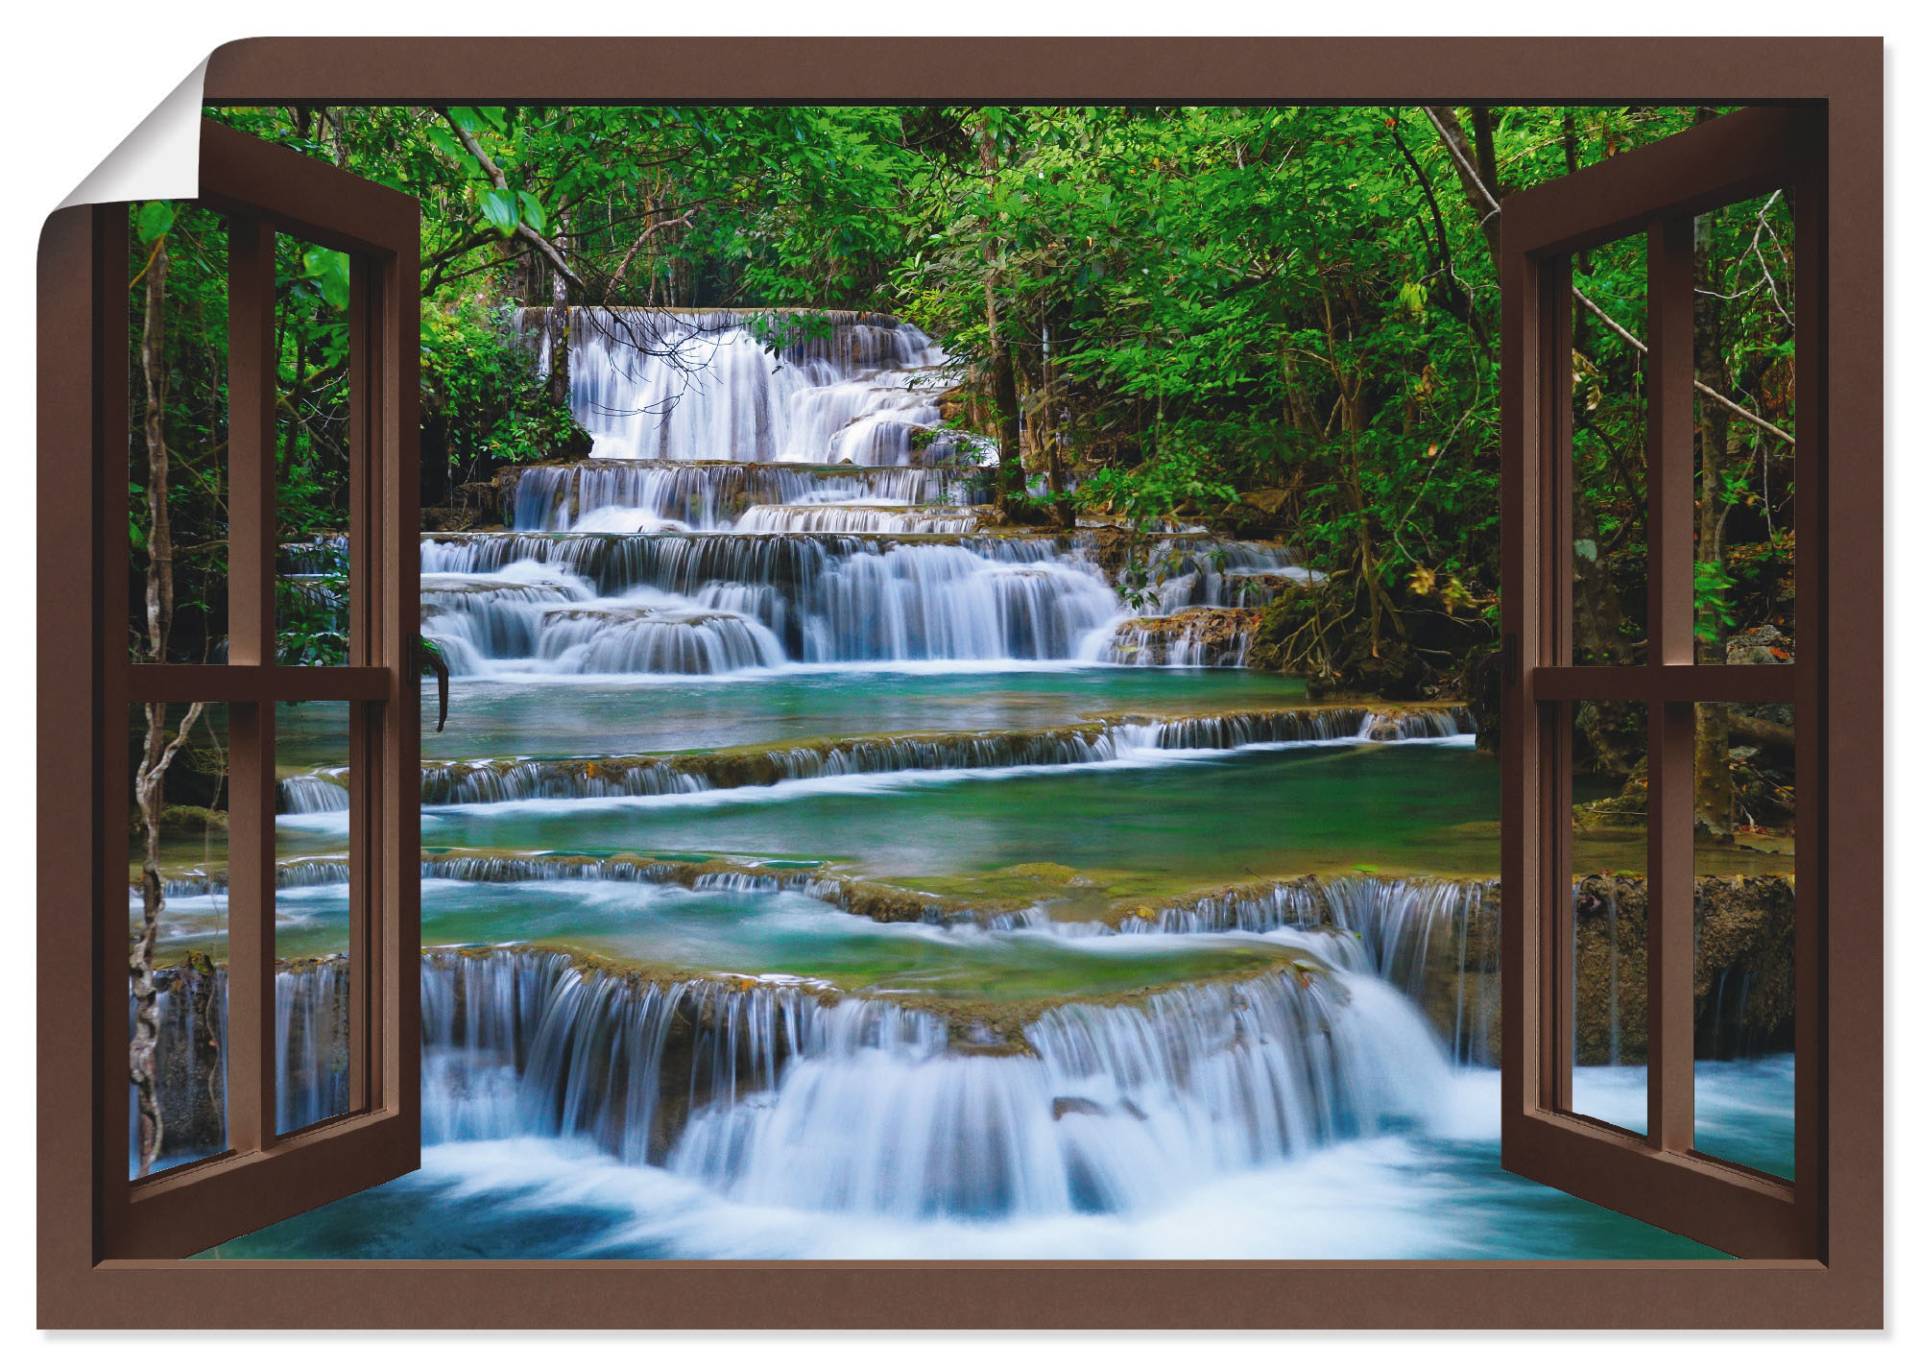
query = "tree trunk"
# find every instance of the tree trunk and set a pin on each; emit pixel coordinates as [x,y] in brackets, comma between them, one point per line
[157,750]
[1010,488]
[559,343]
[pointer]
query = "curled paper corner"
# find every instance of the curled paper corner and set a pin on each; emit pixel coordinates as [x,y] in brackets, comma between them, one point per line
[159,159]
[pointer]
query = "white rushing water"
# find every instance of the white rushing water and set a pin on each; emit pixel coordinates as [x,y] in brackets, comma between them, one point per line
[772,489]
[1281,1068]
[817,388]
[775,1094]
[710,604]
[734,1117]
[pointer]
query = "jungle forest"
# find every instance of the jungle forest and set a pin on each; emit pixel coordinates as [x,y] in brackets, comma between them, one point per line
[887,558]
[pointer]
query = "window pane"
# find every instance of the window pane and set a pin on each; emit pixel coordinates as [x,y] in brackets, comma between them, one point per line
[1743,462]
[1609,848]
[177,433]
[1744,933]
[312,421]
[311,1024]
[177,930]
[1609,546]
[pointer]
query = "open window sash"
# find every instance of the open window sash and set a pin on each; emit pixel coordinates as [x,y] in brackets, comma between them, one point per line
[265,1175]
[1658,1176]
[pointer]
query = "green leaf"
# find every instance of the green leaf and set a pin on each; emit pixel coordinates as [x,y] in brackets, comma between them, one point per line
[332,272]
[450,144]
[1586,549]
[531,213]
[154,219]
[500,209]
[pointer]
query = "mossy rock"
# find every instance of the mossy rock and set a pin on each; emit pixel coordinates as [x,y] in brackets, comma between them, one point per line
[185,820]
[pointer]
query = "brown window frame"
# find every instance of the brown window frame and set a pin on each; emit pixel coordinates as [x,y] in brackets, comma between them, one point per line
[262,192]
[1839,1284]
[1655,190]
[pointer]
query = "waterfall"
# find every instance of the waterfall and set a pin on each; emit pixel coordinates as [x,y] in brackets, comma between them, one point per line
[1434,939]
[819,387]
[531,1042]
[775,1092]
[310,1022]
[720,602]
[773,487]
[656,635]
[322,790]
[1117,1107]
[310,1065]
[473,781]
[856,519]
[1198,637]
[613,495]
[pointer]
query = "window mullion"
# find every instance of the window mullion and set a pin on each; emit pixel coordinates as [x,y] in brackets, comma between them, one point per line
[252,383]
[1557,971]
[242,684]
[1670,730]
[1744,684]
[365,724]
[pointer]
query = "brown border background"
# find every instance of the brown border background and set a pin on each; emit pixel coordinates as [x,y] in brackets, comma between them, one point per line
[1845,1290]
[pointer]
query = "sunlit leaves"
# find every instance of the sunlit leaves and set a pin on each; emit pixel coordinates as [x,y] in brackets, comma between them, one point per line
[153,219]
[500,208]
[474,120]
[331,272]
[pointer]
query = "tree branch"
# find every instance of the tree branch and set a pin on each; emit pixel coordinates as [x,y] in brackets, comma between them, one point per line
[1711,394]
[650,230]
[1448,128]
[499,178]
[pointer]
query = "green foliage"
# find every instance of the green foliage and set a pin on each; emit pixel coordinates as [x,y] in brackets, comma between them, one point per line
[1714,616]
[152,220]
[1283,321]
[185,248]
[481,394]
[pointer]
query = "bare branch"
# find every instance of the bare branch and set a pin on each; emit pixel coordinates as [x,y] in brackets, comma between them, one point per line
[1711,394]
[651,229]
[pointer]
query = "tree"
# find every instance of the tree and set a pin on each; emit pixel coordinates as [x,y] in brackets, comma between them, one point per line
[160,746]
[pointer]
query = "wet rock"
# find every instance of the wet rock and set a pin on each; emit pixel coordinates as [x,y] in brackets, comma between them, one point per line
[1199,636]
[1764,644]
[1743,969]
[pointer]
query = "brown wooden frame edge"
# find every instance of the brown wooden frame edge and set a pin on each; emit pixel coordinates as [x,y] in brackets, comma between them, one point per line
[1844,1290]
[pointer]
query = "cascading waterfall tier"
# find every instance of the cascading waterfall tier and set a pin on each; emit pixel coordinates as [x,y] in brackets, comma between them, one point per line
[310,1069]
[460,782]
[914,1110]
[772,487]
[858,519]
[638,496]
[535,1042]
[819,387]
[1435,939]
[716,603]
[1107,1107]
[807,1097]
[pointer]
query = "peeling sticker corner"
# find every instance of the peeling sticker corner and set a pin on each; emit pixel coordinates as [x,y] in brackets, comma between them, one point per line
[159,159]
